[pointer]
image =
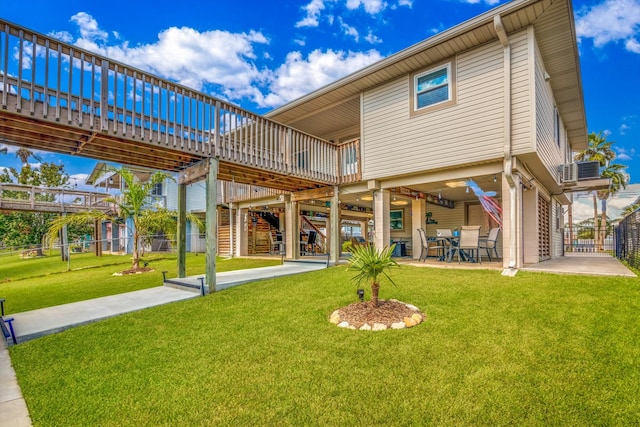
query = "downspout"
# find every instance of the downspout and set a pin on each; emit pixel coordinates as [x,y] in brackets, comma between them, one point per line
[508,159]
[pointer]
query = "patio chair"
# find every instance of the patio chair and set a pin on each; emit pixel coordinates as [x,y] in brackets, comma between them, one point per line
[468,244]
[277,245]
[438,244]
[311,243]
[489,242]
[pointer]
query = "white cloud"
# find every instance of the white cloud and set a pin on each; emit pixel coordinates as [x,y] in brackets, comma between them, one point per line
[623,129]
[632,45]
[372,38]
[185,55]
[299,76]
[89,28]
[489,2]
[624,154]
[611,21]
[372,7]
[349,30]
[583,203]
[313,11]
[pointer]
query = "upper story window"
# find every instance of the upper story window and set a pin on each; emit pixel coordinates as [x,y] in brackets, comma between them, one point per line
[556,126]
[433,88]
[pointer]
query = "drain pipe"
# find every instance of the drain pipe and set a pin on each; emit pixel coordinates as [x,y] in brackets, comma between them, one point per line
[508,159]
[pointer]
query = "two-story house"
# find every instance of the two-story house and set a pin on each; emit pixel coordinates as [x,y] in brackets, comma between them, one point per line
[497,99]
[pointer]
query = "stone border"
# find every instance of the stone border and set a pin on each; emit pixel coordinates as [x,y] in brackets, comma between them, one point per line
[415,319]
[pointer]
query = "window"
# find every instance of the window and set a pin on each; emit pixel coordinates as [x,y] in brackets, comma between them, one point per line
[556,126]
[397,222]
[433,87]
[157,190]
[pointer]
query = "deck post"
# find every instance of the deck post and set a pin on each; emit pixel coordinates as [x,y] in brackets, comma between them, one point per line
[335,228]
[181,234]
[64,242]
[292,227]
[98,237]
[211,226]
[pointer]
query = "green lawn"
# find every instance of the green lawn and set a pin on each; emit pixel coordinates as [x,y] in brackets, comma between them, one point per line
[28,284]
[536,349]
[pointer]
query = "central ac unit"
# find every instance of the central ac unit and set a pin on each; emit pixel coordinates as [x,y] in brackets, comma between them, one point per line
[588,170]
[570,172]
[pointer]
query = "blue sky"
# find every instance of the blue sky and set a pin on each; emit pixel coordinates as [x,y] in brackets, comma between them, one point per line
[261,54]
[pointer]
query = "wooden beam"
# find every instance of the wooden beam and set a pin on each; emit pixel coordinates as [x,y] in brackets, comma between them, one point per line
[316,193]
[194,173]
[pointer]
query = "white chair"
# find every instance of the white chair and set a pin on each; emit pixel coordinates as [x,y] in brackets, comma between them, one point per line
[489,242]
[468,244]
[277,246]
[427,244]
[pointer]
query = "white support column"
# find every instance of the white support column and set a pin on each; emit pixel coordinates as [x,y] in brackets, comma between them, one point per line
[335,228]
[292,233]
[382,221]
[211,224]
[418,218]
[242,231]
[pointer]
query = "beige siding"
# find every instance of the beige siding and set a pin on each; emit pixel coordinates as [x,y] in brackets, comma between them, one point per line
[521,94]
[550,152]
[395,143]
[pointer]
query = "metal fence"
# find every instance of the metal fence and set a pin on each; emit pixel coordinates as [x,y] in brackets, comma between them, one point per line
[582,241]
[627,234]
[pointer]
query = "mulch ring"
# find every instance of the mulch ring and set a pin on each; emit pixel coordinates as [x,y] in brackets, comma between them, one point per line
[390,314]
[133,271]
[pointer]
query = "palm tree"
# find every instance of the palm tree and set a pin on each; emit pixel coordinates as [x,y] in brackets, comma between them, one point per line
[370,265]
[132,203]
[24,154]
[619,180]
[631,208]
[600,150]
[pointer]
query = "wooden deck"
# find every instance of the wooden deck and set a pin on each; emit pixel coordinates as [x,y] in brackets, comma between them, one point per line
[59,98]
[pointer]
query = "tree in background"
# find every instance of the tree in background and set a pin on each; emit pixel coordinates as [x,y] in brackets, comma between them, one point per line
[600,150]
[20,229]
[628,210]
[133,203]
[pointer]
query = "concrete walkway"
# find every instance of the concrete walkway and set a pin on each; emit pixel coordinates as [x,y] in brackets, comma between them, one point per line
[592,266]
[36,323]
[228,279]
[13,408]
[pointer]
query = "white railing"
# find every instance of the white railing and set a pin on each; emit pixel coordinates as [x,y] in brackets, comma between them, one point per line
[47,79]
[34,198]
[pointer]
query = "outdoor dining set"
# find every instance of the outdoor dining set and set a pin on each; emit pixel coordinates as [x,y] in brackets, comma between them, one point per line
[465,242]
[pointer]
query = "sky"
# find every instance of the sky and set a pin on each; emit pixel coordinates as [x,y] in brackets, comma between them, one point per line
[261,54]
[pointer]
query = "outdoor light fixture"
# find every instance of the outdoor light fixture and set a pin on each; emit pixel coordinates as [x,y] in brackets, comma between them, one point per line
[495,178]
[360,293]
[367,198]
[467,190]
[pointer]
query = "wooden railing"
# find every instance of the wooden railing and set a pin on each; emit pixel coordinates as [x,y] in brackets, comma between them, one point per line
[47,79]
[43,199]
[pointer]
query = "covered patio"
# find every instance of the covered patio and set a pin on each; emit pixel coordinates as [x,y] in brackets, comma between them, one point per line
[590,266]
